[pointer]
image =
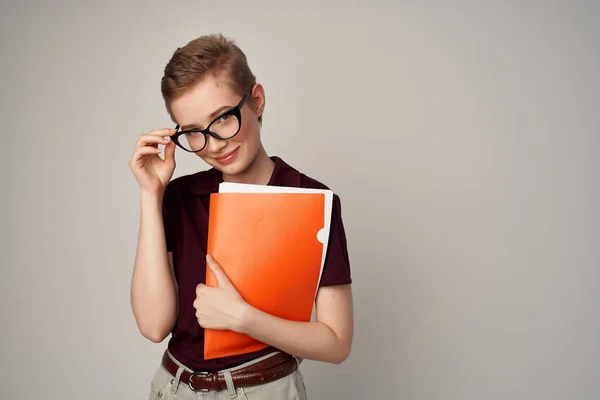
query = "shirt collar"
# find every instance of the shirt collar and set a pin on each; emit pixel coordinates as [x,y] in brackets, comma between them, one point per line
[207,182]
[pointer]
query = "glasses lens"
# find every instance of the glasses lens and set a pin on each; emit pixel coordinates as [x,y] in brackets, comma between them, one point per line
[226,127]
[192,141]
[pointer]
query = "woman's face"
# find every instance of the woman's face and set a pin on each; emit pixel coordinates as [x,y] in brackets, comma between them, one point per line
[208,99]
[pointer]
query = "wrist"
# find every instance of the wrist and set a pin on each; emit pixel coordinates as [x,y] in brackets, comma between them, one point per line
[147,196]
[245,317]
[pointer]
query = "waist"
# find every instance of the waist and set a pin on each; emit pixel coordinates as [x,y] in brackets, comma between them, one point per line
[262,370]
[190,352]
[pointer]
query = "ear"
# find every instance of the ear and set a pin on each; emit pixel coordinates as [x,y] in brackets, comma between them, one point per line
[258,99]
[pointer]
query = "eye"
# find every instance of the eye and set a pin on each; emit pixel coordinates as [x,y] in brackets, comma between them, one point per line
[224,118]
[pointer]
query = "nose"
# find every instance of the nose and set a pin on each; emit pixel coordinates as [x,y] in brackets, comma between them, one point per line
[214,146]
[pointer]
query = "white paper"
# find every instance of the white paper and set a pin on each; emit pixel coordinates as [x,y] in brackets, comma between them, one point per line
[322,236]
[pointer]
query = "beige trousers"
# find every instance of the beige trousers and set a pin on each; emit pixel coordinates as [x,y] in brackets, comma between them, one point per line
[165,386]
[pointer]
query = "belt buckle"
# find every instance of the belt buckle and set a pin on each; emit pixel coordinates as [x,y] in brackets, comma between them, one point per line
[191,385]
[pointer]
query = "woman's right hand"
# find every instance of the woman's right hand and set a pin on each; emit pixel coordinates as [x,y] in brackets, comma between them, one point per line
[152,172]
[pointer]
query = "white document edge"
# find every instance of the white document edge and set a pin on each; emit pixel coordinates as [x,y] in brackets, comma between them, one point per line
[229,187]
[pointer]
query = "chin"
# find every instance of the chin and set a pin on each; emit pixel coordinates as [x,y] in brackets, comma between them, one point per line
[237,167]
[231,169]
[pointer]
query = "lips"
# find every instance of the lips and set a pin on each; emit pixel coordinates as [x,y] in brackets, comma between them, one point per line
[227,157]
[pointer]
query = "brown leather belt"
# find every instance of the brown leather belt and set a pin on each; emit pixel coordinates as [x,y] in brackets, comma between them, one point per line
[267,370]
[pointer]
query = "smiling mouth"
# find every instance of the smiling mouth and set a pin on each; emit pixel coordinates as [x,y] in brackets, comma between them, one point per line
[227,156]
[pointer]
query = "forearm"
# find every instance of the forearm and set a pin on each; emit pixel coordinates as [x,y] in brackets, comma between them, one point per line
[311,340]
[153,288]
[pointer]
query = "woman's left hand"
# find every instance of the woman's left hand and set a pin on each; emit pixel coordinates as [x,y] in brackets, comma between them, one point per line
[220,307]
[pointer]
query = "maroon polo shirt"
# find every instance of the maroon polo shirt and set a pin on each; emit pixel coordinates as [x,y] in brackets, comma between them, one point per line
[185,215]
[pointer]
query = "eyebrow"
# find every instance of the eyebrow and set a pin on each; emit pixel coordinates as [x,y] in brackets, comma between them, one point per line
[211,116]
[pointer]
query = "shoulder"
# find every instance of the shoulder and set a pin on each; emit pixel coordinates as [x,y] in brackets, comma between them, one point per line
[286,175]
[311,183]
[308,182]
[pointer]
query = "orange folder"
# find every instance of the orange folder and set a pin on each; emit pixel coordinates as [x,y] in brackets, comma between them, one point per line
[266,243]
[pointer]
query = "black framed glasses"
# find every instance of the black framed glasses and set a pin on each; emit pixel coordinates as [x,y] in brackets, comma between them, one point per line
[223,127]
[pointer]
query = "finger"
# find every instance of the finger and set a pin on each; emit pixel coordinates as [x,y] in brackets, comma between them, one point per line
[215,268]
[141,152]
[162,132]
[170,153]
[197,304]
[146,139]
[199,288]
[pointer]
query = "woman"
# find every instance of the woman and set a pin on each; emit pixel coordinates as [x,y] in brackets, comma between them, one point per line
[210,92]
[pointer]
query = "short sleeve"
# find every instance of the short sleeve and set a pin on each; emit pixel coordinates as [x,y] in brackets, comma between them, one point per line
[336,270]
[168,214]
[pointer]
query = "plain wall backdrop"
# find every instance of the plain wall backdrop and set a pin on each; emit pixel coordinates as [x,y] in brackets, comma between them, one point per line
[463,138]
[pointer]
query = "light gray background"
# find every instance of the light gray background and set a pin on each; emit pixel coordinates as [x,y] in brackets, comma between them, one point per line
[463,139]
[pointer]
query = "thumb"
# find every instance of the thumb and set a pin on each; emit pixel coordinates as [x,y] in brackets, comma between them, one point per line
[215,268]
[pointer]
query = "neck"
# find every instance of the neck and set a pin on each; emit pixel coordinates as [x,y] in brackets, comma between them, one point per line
[258,173]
